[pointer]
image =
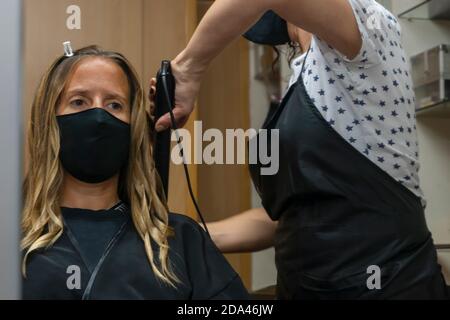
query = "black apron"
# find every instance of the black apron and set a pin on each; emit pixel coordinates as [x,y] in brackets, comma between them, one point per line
[339,214]
[123,270]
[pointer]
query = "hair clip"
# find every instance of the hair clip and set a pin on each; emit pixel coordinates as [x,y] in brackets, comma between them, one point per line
[68,49]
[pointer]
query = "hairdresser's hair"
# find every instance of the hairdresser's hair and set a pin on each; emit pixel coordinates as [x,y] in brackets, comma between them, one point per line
[293,51]
[139,183]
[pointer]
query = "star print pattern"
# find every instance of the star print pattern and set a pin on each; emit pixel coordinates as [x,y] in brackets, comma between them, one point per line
[368,100]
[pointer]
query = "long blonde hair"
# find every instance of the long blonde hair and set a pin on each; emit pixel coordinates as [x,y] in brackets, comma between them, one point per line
[139,183]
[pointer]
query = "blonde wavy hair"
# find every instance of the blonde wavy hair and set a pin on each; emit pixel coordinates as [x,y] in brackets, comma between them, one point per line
[139,183]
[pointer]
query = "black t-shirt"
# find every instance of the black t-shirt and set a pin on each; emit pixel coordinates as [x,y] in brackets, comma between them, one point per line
[110,258]
[94,229]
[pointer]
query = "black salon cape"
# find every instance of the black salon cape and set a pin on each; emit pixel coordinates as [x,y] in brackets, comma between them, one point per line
[123,271]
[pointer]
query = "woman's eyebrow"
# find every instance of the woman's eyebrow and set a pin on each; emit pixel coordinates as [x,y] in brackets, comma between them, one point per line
[85,92]
[80,92]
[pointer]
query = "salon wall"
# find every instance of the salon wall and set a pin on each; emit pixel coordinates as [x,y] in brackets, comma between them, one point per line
[433,132]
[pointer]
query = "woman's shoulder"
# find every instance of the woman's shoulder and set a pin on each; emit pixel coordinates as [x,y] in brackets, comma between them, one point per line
[188,233]
[181,218]
[189,238]
[208,270]
[181,222]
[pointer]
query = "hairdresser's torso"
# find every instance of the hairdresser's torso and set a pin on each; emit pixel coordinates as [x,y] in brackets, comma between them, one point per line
[347,193]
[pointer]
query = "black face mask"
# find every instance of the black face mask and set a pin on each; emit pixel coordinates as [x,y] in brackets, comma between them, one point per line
[94,144]
[270,30]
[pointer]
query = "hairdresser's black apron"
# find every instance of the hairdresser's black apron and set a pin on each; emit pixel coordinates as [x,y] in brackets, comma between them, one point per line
[339,214]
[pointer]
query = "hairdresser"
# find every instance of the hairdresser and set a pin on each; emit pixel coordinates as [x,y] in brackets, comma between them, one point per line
[345,211]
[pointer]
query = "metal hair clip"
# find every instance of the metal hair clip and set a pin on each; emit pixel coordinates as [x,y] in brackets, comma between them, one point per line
[68,52]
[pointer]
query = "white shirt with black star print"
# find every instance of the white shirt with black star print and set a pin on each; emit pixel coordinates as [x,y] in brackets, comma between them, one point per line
[368,100]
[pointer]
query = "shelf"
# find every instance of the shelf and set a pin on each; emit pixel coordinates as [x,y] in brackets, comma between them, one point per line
[440,109]
[428,10]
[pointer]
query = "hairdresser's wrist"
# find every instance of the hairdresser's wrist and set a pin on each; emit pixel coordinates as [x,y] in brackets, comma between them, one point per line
[190,66]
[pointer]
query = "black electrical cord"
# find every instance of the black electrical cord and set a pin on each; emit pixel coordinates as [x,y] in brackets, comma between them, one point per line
[186,173]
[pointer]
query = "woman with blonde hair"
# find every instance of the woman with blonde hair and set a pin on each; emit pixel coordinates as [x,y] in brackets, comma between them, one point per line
[95,219]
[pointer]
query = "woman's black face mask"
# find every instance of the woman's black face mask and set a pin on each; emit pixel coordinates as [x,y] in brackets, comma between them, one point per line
[94,144]
[270,30]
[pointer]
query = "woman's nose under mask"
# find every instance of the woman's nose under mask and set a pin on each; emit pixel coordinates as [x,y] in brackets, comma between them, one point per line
[94,144]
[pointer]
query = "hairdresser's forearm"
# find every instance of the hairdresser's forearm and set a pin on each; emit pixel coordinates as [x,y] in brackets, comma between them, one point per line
[249,231]
[223,22]
[331,20]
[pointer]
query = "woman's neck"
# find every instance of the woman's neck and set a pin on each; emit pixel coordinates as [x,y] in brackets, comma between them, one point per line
[92,196]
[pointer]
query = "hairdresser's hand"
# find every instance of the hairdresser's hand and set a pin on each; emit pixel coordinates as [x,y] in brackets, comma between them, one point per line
[187,81]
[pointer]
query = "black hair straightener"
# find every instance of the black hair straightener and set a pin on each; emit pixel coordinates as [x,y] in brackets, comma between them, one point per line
[164,102]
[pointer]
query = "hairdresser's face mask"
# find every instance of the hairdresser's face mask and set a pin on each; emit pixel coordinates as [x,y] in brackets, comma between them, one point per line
[94,144]
[270,30]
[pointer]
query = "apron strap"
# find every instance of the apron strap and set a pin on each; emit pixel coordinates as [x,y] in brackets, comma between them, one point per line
[304,62]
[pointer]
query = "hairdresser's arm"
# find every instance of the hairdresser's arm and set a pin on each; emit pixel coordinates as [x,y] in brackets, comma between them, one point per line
[331,20]
[249,231]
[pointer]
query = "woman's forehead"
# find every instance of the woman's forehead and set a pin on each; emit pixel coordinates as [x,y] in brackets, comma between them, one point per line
[98,73]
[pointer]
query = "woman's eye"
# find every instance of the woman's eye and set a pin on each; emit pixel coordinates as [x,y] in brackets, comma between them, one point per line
[77,103]
[115,106]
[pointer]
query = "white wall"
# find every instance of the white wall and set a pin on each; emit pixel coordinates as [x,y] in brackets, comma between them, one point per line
[9,148]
